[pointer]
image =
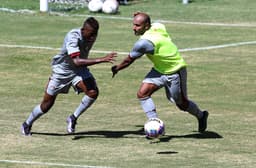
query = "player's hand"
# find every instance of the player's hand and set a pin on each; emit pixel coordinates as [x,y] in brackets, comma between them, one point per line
[110,57]
[114,70]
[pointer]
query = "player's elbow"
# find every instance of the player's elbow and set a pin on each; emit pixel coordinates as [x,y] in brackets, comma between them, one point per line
[77,61]
[129,60]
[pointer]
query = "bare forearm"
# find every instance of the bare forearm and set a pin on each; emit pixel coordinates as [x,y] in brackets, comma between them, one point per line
[87,62]
[125,63]
[92,61]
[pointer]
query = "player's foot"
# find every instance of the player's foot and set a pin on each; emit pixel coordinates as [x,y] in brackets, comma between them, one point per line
[26,129]
[202,122]
[71,121]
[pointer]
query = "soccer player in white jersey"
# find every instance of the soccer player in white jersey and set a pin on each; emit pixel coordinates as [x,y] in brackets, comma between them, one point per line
[70,68]
[169,70]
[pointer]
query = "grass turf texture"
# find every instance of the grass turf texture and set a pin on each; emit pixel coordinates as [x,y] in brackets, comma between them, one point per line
[110,132]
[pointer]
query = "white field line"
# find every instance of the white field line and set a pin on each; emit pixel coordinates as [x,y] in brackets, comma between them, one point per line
[49,164]
[128,18]
[218,46]
[16,11]
[50,48]
[174,22]
[126,53]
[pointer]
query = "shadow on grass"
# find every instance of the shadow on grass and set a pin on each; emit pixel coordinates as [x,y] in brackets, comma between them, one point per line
[125,134]
[99,134]
[167,152]
[204,135]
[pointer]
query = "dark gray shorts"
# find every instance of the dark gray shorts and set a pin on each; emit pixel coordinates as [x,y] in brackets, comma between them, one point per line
[175,84]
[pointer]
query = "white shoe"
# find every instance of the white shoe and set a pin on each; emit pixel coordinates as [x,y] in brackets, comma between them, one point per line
[71,121]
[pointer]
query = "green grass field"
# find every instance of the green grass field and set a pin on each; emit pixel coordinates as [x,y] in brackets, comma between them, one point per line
[110,133]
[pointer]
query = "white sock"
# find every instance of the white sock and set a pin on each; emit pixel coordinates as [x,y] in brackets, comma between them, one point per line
[148,107]
[34,115]
[85,104]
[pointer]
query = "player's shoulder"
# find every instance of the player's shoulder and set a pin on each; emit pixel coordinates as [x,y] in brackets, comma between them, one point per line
[142,43]
[75,32]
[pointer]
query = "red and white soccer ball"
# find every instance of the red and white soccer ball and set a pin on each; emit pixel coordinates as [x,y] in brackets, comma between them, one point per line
[110,6]
[95,5]
[154,128]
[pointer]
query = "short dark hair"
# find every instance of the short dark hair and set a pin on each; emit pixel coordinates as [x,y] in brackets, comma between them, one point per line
[92,22]
[145,16]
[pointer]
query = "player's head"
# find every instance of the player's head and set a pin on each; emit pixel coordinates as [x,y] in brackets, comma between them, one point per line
[90,29]
[141,23]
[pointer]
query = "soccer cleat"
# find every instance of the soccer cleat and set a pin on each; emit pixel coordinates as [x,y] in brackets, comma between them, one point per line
[71,121]
[26,129]
[202,122]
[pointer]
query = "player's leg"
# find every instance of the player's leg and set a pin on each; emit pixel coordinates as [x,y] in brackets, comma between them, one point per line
[89,87]
[186,104]
[144,96]
[38,111]
[177,92]
[151,83]
[53,88]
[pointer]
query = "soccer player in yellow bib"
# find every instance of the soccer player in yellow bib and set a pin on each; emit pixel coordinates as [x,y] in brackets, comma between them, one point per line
[169,69]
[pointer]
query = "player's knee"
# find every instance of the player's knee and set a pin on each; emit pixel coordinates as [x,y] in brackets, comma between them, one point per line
[140,95]
[92,93]
[183,106]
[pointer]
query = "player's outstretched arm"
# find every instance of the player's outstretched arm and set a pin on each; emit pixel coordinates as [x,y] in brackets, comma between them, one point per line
[91,61]
[125,63]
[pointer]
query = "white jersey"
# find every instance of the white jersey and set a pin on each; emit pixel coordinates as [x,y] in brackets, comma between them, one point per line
[73,45]
[64,72]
